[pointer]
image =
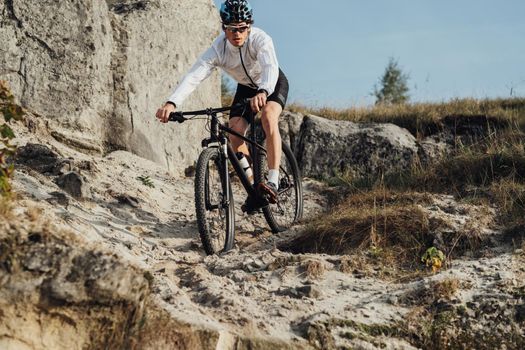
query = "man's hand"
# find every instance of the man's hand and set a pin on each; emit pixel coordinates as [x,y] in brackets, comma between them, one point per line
[258,102]
[163,113]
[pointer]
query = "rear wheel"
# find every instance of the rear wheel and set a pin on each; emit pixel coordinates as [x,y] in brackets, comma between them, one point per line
[289,206]
[215,210]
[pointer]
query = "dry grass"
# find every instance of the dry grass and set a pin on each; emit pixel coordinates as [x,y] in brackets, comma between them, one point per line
[446,288]
[379,220]
[389,226]
[490,168]
[314,269]
[494,173]
[349,264]
[5,207]
[423,119]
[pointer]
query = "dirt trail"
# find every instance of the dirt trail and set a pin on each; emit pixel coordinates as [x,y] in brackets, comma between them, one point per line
[255,289]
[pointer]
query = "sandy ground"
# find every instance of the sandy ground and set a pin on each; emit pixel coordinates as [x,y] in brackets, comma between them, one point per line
[255,289]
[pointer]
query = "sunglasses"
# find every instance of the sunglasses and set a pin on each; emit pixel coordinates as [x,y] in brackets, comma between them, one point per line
[235,29]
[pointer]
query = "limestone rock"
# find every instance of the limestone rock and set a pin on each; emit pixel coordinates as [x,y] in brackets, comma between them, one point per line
[435,147]
[290,126]
[74,184]
[308,291]
[99,70]
[326,147]
[37,157]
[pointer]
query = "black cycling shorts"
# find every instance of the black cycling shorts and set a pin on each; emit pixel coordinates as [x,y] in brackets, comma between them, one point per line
[279,95]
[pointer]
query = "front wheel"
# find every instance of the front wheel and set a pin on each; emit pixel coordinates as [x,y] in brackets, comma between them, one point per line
[215,209]
[289,206]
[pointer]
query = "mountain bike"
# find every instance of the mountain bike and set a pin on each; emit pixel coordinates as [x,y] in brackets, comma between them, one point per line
[214,202]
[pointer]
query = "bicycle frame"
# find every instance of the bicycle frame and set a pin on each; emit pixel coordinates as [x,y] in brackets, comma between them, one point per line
[217,134]
[214,205]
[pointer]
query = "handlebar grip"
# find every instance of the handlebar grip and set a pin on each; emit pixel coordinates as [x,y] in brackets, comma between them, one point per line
[176,117]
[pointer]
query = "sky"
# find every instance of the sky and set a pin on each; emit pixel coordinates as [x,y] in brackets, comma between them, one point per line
[335,51]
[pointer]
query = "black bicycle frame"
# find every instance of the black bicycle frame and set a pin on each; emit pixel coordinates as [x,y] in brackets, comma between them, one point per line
[217,134]
[217,131]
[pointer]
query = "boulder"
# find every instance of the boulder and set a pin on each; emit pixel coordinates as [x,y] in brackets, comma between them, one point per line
[99,69]
[436,147]
[289,127]
[37,157]
[328,147]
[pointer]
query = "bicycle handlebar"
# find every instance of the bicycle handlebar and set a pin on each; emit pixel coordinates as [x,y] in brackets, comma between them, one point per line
[179,117]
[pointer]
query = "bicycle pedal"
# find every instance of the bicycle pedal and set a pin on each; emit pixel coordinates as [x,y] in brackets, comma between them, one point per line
[267,194]
[253,206]
[249,210]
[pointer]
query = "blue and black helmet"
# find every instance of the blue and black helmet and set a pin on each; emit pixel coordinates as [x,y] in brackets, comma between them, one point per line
[236,11]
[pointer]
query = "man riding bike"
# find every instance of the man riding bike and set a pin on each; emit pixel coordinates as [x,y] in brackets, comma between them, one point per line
[247,54]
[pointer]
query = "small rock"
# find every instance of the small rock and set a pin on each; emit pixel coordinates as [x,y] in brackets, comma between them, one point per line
[252,265]
[503,275]
[58,198]
[63,166]
[520,313]
[308,291]
[86,165]
[392,300]
[190,171]
[128,200]
[358,274]
[74,184]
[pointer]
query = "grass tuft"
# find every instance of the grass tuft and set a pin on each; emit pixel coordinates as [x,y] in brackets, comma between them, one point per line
[424,119]
[389,226]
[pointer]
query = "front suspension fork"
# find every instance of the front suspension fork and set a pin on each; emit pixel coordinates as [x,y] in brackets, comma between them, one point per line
[225,172]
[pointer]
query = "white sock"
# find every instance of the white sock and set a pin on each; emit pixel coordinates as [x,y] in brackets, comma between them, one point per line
[273,176]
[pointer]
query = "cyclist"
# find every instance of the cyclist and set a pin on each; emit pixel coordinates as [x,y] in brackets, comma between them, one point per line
[247,54]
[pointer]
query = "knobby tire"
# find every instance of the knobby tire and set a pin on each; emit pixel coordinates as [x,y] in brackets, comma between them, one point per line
[289,207]
[211,206]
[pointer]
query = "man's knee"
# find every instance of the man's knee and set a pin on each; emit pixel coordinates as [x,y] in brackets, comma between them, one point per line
[270,117]
[272,110]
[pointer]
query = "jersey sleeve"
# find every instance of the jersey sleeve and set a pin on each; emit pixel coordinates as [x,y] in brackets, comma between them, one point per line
[269,65]
[200,71]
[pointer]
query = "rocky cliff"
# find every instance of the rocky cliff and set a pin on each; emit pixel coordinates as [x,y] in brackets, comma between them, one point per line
[100,69]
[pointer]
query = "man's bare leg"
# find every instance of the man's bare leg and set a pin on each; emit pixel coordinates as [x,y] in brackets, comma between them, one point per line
[239,125]
[270,122]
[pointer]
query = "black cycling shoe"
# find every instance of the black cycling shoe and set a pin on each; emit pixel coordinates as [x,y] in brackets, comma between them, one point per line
[253,206]
[269,191]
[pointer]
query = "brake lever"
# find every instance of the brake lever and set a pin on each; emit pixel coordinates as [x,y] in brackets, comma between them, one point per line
[176,117]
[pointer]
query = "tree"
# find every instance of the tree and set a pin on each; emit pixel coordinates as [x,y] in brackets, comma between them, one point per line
[393,87]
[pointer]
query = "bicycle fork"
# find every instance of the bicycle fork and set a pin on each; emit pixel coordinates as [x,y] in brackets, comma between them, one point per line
[225,173]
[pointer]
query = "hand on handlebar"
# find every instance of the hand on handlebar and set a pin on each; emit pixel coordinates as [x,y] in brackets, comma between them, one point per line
[258,102]
[163,113]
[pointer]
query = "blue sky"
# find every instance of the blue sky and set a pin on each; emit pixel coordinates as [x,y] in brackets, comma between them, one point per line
[334,51]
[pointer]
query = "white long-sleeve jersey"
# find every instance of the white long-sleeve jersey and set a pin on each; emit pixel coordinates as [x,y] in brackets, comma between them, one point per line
[258,56]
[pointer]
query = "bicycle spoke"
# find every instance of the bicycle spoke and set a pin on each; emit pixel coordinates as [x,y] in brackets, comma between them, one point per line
[288,208]
[214,212]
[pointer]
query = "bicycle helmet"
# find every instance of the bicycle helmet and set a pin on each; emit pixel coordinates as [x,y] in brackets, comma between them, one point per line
[236,11]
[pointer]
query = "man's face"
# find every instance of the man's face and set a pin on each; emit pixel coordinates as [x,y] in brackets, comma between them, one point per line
[236,33]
